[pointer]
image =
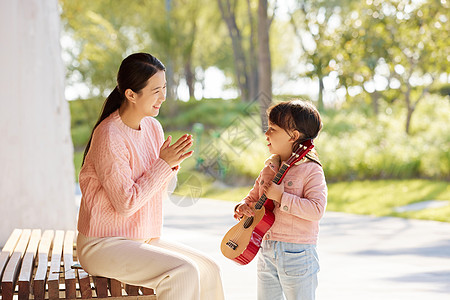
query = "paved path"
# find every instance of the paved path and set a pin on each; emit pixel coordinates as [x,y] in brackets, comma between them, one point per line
[361,257]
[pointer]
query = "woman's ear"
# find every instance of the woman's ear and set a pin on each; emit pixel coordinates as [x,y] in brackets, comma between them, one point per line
[130,95]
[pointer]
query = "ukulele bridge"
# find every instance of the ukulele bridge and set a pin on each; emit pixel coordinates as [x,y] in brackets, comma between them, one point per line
[231,244]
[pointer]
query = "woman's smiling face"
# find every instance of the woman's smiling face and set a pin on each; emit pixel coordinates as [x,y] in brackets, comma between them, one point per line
[150,98]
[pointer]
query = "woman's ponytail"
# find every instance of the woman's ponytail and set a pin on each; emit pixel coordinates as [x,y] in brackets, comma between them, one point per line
[112,103]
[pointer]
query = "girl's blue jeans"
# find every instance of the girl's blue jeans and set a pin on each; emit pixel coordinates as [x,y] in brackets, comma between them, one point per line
[287,269]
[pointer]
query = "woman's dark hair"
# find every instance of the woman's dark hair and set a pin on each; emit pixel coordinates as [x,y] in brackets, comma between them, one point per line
[134,72]
[296,115]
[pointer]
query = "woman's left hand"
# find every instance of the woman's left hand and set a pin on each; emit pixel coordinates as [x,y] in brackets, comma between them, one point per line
[274,191]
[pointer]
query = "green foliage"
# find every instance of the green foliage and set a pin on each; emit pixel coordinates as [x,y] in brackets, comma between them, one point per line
[84,115]
[356,146]
[212,113]
[381,197]
[77,160]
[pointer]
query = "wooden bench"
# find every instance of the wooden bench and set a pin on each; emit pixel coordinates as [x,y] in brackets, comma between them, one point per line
[45,266]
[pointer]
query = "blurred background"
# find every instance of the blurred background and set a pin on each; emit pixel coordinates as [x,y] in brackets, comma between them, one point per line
[378,71]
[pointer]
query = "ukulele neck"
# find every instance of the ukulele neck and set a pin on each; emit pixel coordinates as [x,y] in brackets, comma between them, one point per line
[277,180]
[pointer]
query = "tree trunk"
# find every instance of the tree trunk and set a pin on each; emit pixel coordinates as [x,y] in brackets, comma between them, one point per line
[375,97]
[409,109]
[252,57]
[171,90]
[240,63]
[190,78]
[320,105]
[37,187]
[408,119]
[264,63]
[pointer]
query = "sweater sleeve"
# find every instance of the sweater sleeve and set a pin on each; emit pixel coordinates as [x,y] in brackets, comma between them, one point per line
[111,159]
[312,205]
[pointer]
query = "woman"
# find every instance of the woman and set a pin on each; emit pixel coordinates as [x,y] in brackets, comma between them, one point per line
[127,166]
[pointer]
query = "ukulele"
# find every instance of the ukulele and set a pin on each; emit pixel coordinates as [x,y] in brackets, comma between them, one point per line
[242,242]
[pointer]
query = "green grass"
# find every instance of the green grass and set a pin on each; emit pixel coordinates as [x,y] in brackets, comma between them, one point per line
[376,198]
[381,197]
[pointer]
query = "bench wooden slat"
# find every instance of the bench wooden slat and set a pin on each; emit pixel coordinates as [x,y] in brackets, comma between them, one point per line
[12,268]
[41,271]
[132,290]
[55,266]
[115,287]
[131,297]
[101,286]
[26,254]
[147,291]
[8,249]
[26,271]
[69,273]
[85,284]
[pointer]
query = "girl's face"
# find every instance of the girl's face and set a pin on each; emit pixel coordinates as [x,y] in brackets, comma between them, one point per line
[279,141]
[150,98]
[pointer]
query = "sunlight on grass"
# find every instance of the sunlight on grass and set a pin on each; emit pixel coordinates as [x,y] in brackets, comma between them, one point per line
[379,198]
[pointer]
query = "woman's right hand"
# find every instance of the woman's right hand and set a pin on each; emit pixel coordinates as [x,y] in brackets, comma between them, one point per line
[174,154]
[243,209]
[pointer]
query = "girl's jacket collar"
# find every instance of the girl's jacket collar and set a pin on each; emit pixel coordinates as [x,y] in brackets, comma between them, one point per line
[274,161]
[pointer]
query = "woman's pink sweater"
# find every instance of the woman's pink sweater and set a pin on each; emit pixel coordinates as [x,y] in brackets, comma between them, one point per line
[123,181]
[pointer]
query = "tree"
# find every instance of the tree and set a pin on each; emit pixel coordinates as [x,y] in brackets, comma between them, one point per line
[104,34]
[244,56]
[419,47]
[406,37]
[252,62]
[314,27]
[362,52]
[264,63]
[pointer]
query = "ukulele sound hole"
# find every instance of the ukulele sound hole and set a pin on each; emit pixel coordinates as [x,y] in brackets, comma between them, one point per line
[248,222]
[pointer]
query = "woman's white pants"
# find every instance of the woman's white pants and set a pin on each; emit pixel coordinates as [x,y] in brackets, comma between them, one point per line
[173,270]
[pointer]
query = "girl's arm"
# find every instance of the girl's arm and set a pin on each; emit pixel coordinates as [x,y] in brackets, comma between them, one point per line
[245,207]
[111,159]
[312,205]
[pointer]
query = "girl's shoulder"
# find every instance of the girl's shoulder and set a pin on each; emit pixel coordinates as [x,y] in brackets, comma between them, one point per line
[306,169]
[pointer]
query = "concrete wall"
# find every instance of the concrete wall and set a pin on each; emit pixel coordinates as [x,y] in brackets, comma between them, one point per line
[36,153]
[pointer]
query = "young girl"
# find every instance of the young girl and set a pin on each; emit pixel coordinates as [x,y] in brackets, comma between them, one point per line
[126,168]
[288,261]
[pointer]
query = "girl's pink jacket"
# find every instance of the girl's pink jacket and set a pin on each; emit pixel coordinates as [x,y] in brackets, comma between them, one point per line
[302,204]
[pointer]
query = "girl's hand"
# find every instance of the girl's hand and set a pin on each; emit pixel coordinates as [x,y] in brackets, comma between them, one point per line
[274,191]
[243,209]
[174,154]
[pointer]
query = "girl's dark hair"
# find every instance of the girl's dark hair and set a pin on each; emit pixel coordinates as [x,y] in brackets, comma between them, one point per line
[296,115]
[134,72]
